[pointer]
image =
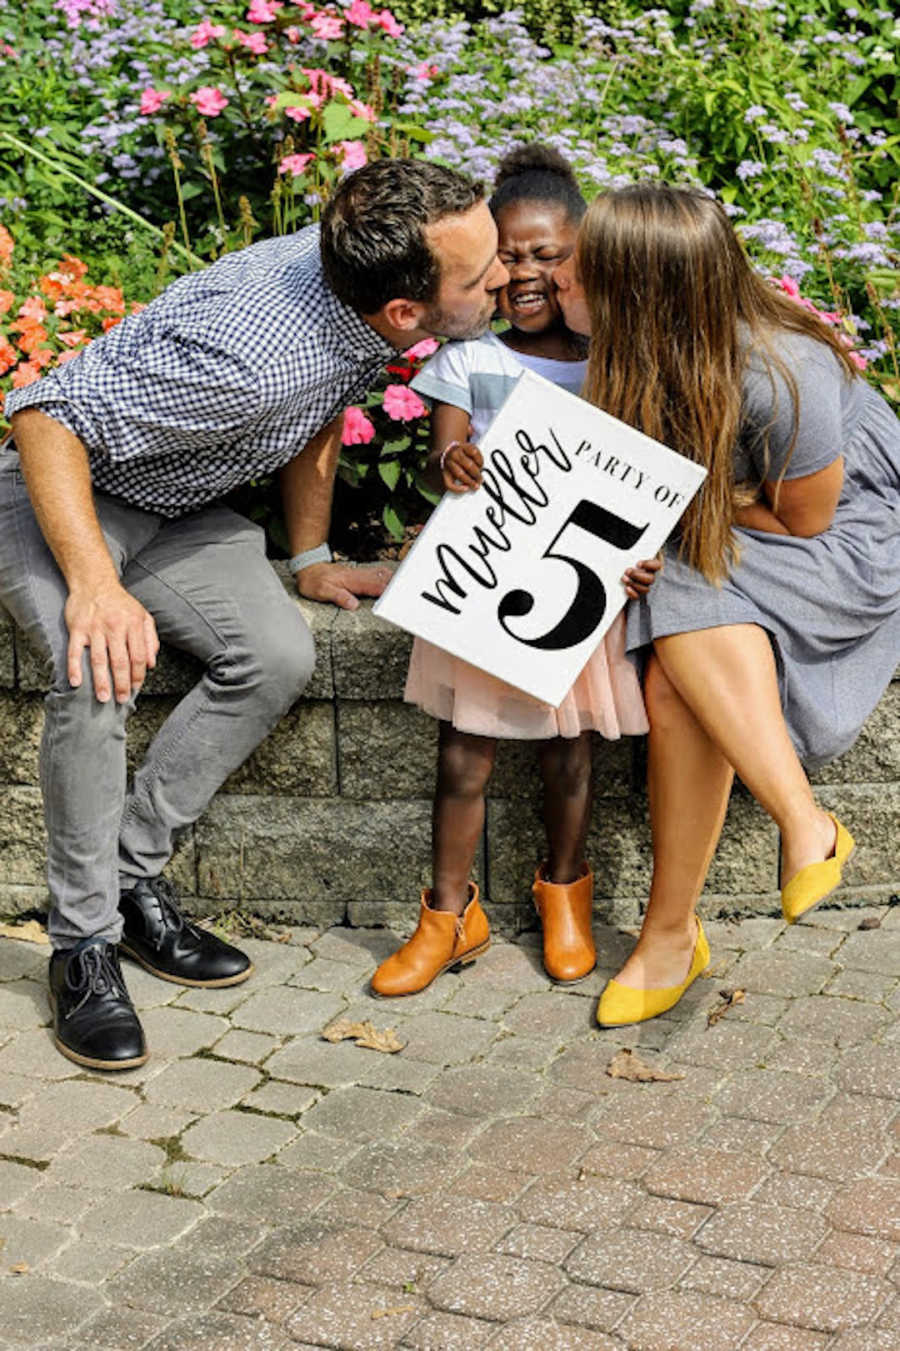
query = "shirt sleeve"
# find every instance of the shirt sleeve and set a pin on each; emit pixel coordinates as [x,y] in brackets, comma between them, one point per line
[446,378]
[126,397]
[773,420]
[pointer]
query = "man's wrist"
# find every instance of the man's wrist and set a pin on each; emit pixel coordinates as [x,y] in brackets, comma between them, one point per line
[307,557]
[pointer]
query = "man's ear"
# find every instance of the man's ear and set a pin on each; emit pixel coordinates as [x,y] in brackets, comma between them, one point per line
[405,315]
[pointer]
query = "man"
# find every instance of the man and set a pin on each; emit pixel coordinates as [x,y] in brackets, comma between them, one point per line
[112,536]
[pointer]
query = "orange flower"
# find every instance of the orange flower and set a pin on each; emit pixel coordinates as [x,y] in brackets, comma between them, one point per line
[110,297]
[73,266]
[26,374]
[33,334]
[76,338]
[110,322]
[33,308]
[42,357]
[6,246]
[6,301]
[8,356]
[68,356]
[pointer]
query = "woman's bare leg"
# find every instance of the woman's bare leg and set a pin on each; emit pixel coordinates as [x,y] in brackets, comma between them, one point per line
[727,677]
[688,782]
[464,767]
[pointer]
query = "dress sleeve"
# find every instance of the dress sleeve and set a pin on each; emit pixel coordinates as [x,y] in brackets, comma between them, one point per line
[770,421]
[446,377]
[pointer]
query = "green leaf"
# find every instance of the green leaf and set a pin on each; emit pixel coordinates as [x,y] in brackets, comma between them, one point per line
[390,472]
[395,447]
[393,522]
[339,124]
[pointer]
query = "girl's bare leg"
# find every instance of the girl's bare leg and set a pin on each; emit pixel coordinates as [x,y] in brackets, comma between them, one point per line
[566,772]
[464,767]
[689,781]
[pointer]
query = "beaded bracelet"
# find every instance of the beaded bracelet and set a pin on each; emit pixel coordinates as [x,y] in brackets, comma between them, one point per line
[446,451]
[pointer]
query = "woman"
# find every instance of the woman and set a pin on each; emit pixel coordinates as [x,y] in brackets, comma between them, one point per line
[775,627]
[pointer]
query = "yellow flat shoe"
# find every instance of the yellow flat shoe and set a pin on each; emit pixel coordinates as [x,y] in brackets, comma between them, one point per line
[817,880]
[621,1004]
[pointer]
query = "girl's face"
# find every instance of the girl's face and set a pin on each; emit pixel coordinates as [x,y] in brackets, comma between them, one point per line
[535,237]
[571,296]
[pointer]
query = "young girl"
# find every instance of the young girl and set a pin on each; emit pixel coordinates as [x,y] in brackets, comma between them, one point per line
[775,628]
[537,206]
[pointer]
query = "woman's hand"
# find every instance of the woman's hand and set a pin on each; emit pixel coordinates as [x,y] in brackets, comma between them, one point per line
[639,579]
[461,464]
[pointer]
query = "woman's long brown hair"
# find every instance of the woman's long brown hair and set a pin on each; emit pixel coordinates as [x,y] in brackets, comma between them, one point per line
[667,286]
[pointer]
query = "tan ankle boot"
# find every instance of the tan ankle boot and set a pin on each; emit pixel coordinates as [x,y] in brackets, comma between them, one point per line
[440,941]
[565,910]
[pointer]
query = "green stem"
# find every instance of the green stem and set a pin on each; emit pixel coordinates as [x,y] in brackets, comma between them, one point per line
[94,191]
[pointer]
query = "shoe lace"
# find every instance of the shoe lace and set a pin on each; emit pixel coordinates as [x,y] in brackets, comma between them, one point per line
[93,972]
[167,897]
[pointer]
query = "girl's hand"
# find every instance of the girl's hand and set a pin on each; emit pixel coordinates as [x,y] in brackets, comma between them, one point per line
[461,464]
[639,579]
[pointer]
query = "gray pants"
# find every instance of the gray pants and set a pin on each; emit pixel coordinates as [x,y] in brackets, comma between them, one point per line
[207,583]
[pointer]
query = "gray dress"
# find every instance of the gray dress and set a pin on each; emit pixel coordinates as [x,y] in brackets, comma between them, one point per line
[830,604]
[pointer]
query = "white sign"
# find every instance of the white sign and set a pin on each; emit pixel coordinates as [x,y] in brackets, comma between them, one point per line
[522,577]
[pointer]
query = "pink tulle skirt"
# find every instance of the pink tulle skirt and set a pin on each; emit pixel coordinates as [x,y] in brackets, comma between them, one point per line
[606,697]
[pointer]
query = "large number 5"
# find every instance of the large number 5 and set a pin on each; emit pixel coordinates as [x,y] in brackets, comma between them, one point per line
[589,602]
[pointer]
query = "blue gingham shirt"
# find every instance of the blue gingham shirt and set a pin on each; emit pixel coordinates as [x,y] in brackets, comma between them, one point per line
[222,378]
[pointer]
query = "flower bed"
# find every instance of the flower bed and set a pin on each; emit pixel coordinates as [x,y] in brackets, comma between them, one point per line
[148,138]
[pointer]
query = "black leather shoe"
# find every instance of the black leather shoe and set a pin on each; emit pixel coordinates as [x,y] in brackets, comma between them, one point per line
[94,1019]
[157,935]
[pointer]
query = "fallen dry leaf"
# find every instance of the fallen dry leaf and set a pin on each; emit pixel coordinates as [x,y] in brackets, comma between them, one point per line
[29,932]
[19,1268]
[729,998]
[870,922]
[390,1313]
[626,1065]
[364,1034]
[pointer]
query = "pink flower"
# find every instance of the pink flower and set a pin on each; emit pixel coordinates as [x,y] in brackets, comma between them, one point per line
[402,404]
[360,109]
[326,84]
[353,155]
[254,42]
[327,26]
[422,349]
[358,430]
[263,11]
[292,34]
[67,356]
[209,101]
[299,112]
[390,25]
[294,164]
[360,14]
[423,71]
[152,100]
[306,9]
[204,33]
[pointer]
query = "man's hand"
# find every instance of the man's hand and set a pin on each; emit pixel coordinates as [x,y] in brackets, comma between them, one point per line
[340,584]
[121,636]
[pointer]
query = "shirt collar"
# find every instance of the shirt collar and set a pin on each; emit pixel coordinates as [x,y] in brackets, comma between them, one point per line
[349,333]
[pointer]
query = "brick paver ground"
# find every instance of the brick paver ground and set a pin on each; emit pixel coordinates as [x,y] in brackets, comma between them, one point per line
[254,1186]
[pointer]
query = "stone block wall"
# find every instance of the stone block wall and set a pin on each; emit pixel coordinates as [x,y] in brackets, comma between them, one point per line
[329,821]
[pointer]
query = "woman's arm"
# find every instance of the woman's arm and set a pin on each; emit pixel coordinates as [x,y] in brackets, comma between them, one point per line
[802,507]
[806,506]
